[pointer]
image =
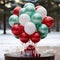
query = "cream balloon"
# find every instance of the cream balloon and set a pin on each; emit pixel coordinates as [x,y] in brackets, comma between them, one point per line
[23,19]
[41,10]
[29,28]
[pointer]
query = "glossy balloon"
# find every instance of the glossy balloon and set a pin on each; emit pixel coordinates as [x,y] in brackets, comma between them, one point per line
[22,11]
[30,48]
[49,21]
[43,28]
[23,19]
[30,10]
[24,37]
[13,19]
[29,28]
[36,18]
[16,10]
[33,1]
[17,29]
[42,11]
[37,26]
[35,37]
[17,37]
[28,4]
[43,35]
[30,22]
[39,6]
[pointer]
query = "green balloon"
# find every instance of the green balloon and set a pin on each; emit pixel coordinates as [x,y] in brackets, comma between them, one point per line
[43,28]
[36,18]
[30,10]
[13,19]
[29,4]
[22,11]
[37,26]
[43,35]
[17,37]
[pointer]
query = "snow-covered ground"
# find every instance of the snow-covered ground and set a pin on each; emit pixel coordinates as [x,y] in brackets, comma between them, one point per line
[52,39]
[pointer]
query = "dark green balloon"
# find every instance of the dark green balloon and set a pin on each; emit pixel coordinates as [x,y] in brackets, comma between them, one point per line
[13,19]
[22,11]
[43,28]
[29,4]
[37,26]
[17,37]
[43,35]
[30,10]
[36,18]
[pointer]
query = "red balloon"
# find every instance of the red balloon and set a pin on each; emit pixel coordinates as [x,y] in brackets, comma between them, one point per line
[37,7]
[16,10]
[49,21]
[30,50]
[24,37]
[35,37]
[31,47]
[17,29]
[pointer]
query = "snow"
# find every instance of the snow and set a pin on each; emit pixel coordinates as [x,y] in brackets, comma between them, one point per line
[52,39]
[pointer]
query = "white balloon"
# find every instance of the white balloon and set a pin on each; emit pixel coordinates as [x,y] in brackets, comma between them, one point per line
[42,11]
[29,28]
[23,19]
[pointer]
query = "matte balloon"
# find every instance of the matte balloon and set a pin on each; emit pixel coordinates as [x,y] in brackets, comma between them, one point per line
[42,11]
[13,19]
[49,21]
[36,18]
[22,11]
[28,4]
[17,29]
[35,37]
[43,28]
[24,37]
[29,28]
[30,10]
[23,19]
[43,35]
[16,10]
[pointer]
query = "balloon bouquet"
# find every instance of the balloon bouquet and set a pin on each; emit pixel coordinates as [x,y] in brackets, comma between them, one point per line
[30,23]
